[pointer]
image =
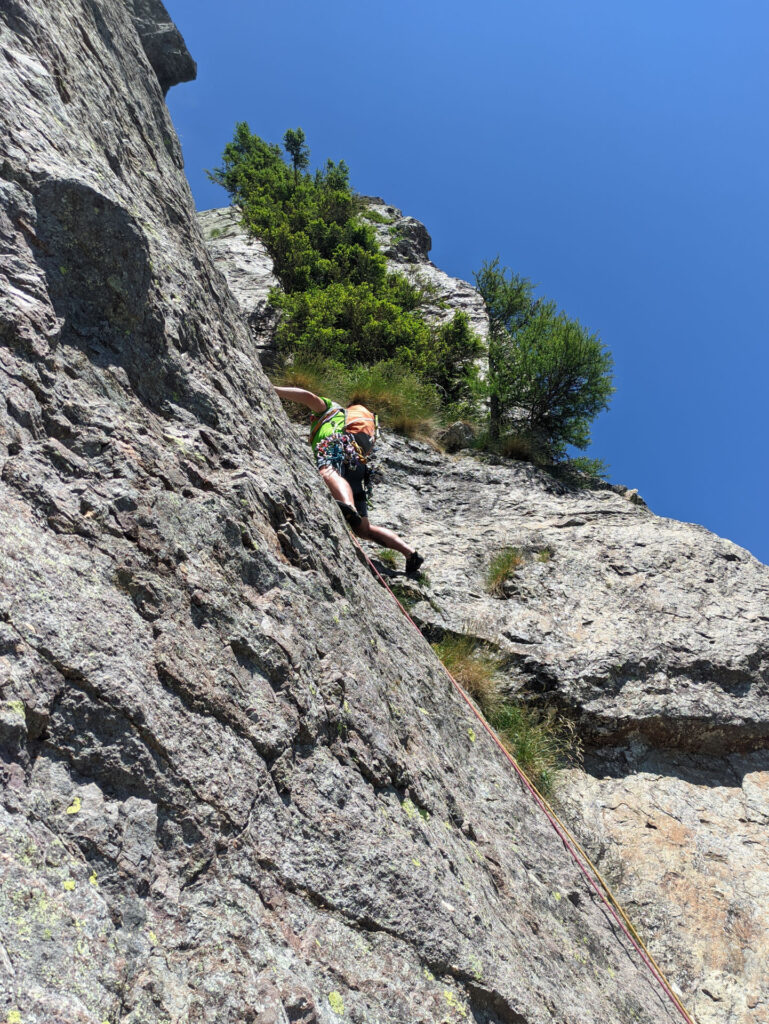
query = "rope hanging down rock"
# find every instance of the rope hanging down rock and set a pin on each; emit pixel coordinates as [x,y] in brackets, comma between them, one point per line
[576,851]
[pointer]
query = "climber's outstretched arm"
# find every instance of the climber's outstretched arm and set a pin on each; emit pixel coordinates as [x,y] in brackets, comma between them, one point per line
[304,397]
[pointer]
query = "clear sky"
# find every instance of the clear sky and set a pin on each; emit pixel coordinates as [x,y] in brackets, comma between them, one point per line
[616,153]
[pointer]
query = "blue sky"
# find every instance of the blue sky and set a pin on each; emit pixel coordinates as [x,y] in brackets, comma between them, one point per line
[615,153]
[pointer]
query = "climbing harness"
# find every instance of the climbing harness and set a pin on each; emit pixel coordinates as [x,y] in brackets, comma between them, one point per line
[572,846]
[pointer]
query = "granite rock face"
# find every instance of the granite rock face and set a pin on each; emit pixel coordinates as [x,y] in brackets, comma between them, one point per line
[406,243]
[166,50]
[683,837]
[637,625]
[247,267]
[236,785]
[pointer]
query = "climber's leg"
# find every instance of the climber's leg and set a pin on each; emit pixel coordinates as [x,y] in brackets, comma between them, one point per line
[338,486]
[380,535]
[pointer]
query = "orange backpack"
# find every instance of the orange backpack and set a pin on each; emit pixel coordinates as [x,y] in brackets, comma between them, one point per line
[360,420]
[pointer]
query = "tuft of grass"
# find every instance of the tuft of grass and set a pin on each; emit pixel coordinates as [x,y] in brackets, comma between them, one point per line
[388,557]
[375,216]
[501,568]
[541,742]
[407,596]
[403,402]
[545,555]
[520,446]
[474,670]
[322,376]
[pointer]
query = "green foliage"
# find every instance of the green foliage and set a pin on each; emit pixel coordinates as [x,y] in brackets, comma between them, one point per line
[501,568]
[294,144]
[541,742]
[404,402]
[338,300]
[592,469]
[548,376]
[449,361]
[349,322]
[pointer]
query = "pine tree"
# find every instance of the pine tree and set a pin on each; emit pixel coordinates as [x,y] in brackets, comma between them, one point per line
[295,146]
[545,369]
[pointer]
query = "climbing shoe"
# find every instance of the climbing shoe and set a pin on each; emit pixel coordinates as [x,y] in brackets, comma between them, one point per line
[413,562]
[349,513]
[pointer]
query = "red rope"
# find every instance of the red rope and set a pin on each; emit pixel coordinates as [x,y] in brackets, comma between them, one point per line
[563,836]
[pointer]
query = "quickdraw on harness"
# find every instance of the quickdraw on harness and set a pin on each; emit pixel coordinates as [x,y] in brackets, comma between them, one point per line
[355,431]
[337,450]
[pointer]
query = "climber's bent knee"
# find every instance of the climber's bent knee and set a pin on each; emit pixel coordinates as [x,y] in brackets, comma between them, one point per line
[363,528]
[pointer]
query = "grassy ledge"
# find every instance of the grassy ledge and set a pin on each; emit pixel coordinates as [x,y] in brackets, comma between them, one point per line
[541,742]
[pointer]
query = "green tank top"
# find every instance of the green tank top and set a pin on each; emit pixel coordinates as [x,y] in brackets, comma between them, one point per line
[323,424]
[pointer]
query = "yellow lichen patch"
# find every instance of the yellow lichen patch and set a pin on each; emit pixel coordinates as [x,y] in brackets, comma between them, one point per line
[476,966]
[409,809]
[93,880]
[336,1003]
[74,807]
[14,1017]
[69,884]
[454,1003]
[153,939]
[16,706]
[428,974]
[471,734]
[416,862]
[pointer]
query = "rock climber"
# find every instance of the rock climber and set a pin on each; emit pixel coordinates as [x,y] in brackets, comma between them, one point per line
[342,441]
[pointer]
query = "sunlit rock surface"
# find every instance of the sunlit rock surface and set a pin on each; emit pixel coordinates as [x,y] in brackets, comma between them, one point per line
[236,785]
[406,243]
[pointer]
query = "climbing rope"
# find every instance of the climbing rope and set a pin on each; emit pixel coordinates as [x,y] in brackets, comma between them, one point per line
[596,879]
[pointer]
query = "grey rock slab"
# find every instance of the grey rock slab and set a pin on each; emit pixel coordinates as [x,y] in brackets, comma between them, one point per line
[236,785]
[248,270]
[634,624]
[682,837]
[163,43]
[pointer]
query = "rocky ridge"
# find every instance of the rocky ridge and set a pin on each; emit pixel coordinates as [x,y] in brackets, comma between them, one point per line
[236,785]
[406,243]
